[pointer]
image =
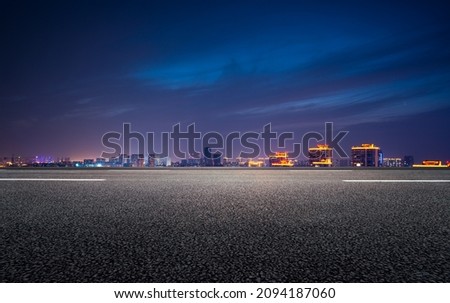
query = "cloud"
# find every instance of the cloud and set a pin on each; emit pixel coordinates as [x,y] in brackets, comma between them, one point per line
[382,80]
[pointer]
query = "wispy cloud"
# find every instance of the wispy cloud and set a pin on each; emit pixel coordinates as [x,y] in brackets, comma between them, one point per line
[380,80]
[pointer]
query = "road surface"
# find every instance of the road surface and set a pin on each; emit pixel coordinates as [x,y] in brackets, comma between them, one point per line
[225,225]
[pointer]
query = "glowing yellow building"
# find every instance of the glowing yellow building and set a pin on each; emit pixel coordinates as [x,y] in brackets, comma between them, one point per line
[367,155]
[255,163]
[280,159]
[320,156]
[431,164]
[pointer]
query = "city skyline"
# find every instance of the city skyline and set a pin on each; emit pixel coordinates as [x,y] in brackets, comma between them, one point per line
[321,155]
[71,72]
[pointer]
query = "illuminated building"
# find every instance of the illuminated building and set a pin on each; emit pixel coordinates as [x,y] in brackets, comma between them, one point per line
[137,160]
[226,161]
[88,163]
[193,162]
[229,162]
[212,159]
[100,162]
[114,162]
[255,163]
[367,155]
[162,161]
[241,162]
[151,160]
[4,162]
[392,162]
[17,161]
[431,164]
[124,160]
[320,156]
[190,162]
[280,159]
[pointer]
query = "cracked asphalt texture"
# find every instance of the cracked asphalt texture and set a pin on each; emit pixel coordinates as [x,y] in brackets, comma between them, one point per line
[224,225]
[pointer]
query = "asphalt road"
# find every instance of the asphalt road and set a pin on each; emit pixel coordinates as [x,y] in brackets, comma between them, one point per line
[224,225]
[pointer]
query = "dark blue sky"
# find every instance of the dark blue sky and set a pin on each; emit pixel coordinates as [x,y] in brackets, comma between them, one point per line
[70,72]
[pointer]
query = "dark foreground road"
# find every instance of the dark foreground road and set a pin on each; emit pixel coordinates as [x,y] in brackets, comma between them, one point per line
[224,225]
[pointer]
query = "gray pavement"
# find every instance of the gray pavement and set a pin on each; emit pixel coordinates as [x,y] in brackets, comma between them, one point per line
[224,225]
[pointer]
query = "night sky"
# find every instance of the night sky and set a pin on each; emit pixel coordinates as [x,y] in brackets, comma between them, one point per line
[69,72]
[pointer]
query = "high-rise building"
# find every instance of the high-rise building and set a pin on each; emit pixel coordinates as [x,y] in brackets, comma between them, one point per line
[212,159]
[367,155]
[320,156]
